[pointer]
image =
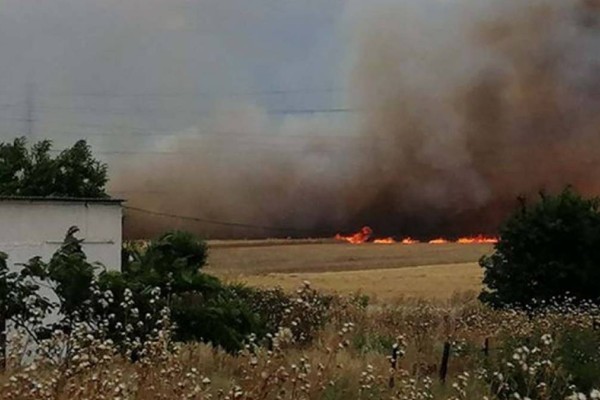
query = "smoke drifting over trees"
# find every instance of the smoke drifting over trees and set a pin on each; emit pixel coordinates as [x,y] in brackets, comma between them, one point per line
[450,110]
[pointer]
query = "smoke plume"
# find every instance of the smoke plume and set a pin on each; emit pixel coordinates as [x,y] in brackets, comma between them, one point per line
[455,108]
[305,118]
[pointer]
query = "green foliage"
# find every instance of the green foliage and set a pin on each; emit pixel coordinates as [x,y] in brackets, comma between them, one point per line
[67,275]
[529,366]
[165,275]
[547,249]
[366,342]
[579,354]
[539,366]
[220,318]
[19,298]
[202,308]
[304,314]
[171,263]
[72,173]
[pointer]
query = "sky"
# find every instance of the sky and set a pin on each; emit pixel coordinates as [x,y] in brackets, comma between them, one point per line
[93,67]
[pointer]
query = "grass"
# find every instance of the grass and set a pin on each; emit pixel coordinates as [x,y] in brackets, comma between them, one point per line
[385,271]
[431,282]
[348,360]
[534,356]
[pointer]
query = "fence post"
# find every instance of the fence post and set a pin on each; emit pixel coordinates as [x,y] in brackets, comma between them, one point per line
[394,363]
[486,347]
[444,364]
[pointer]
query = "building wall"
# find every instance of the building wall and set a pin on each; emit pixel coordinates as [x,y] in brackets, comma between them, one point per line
[37,228]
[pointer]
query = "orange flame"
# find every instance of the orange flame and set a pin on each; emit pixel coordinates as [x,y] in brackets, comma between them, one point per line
[366,233]
[359,237]
[438,241]
[409,240]
[387,240]
[478,239]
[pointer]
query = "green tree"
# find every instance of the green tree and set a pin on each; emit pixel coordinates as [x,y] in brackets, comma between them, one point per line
[546,250]
[34,172]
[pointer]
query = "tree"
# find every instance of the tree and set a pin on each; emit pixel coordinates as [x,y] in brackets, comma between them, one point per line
[72,173]
[546,250]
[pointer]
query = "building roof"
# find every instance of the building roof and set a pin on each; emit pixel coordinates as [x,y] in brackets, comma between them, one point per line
[50,199]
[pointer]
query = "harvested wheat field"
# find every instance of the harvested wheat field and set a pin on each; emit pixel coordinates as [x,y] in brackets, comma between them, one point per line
[384,271]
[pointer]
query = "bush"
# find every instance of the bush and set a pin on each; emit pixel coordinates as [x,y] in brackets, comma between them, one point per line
[530,366]
[162,278]
[546,250]
[202,307]
[579,353]
[77,301]
[304,314]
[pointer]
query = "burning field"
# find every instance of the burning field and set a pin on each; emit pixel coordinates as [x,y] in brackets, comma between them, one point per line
[381,267]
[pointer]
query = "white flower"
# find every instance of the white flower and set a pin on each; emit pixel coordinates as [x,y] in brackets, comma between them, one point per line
[547,339]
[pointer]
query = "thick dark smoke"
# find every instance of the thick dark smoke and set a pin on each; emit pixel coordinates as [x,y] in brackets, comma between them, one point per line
[457,108]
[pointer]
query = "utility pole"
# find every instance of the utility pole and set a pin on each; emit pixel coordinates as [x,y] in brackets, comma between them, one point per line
[29,111]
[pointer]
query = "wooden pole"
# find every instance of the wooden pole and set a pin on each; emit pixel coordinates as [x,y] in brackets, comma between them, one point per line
[444,364]
[486,347]
[394,364]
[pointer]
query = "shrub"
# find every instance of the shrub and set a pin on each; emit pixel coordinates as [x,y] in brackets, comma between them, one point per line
[547,249]
[76,305]
[579,353]
[303,314]
[529,366]
[202,308]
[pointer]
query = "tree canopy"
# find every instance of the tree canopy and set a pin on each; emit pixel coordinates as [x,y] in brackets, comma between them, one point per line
[73,172]
[547,249]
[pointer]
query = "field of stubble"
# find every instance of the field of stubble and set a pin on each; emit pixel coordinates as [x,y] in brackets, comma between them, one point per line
[378,270]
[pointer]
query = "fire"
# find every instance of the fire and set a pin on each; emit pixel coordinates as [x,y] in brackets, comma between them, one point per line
[359,237]
[363,236]
[409,240]
[478,239]
[438,241]
[387,240]
[366,233]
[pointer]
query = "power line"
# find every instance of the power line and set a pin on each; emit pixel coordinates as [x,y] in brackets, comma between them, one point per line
[153,112]
[217,222]
[273,92]
[29,110]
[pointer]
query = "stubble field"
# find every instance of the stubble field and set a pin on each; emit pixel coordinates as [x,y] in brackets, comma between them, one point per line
[383,271]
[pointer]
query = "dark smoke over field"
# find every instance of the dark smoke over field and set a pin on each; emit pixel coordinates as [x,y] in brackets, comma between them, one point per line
[455,108]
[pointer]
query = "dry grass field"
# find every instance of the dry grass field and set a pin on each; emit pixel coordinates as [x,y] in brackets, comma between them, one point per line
[385,271]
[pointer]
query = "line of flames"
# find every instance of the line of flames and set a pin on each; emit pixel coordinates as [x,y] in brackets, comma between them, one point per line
[366,233]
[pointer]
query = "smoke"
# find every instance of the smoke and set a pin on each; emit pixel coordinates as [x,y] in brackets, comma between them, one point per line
[471,105]
[458,108]
[450,108]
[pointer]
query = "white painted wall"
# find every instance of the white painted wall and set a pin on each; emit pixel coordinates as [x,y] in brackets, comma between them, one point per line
[37,228]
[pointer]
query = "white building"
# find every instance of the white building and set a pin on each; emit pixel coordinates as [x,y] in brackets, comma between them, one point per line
[36,226]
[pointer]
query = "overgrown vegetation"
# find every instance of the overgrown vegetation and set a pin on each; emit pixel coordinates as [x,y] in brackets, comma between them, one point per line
[547,249]
[546,354]
[165,274]
[35,172]
[136,334]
